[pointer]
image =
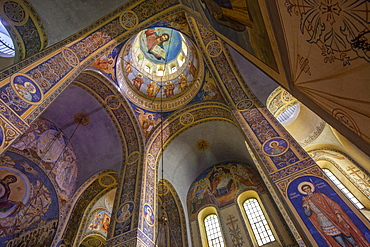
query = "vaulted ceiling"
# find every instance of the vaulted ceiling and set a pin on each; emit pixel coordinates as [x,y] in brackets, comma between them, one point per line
[98,142]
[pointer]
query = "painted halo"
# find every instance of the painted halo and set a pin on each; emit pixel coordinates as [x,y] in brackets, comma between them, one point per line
[305,184]
[275,146]
[124,212]
[22,184]
[26,88]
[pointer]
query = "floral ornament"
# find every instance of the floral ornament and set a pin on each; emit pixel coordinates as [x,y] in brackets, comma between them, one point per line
[338,27]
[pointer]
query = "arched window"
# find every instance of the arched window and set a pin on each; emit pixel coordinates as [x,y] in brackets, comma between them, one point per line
[210,228]
[213,231]
[342,188]
[258,222]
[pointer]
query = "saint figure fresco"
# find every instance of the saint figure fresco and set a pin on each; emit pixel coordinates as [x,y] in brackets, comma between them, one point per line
[329,219]
[124,213]
[7,206]
[148,215]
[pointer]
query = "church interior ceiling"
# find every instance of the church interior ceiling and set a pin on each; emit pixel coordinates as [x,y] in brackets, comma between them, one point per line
[144,75]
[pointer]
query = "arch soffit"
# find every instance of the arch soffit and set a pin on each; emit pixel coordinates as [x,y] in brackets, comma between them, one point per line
[183,120]
[117,107]
[179,206]
[330,149]
[84,199]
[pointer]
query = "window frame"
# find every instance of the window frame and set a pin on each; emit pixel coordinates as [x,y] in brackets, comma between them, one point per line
[348,194]
[249,195]
[356,192]
[202,215]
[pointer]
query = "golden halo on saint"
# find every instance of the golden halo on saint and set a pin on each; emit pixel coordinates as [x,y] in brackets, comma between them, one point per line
[305,184]
[270,144]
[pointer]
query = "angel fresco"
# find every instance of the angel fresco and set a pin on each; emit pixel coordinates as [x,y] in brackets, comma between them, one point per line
[124,214]
[149,215]
[147,120]
[222,181]
[65,172]
[240,177]
[95,222]
[192,69]
[43,141]
[46,142]
[105,223]
[210,92]
[169,89]
[50,143]
[138,81]
[128,67]
[106,64]
[183,82]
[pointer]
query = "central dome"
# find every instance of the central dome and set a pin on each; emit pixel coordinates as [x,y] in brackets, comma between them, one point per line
[159,69]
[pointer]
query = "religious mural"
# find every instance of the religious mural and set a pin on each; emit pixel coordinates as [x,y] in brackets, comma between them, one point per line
[107,63]
[28,203]
[220,184]
[242,21]
[26,88]
[160,63]
[123,217]
[148,120]
[149,220]
[99,221]
[48,145]
[338,28]
[209,89]
[275,146]
[329,219]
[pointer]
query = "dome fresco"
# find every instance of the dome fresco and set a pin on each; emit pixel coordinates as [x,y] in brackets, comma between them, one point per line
[161,45]
[159,69]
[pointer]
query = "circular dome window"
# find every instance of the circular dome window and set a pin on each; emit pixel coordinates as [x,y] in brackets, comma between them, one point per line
[289,115]
[283,106]
[6,43]
[159,68]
